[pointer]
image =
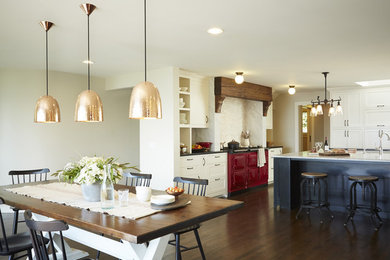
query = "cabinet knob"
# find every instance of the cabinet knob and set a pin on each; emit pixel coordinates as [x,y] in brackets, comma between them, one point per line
[207,119]
[380,125]
[190,168]
[380,105]
[218,179]
[190,159]
[217,164]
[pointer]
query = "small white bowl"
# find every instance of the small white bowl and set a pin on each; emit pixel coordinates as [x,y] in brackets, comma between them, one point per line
[184,89]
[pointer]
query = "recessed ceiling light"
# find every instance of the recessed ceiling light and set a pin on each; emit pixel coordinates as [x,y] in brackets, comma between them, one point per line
[88,62]
[373,83]
[215,31]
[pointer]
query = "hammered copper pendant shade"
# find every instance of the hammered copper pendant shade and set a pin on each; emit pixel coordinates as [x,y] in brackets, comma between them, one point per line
[47,109]
[89,107]
[145,101]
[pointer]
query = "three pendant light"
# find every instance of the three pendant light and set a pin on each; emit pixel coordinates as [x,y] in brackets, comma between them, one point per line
[145,101]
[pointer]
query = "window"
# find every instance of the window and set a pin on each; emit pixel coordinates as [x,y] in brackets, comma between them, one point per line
[304,122]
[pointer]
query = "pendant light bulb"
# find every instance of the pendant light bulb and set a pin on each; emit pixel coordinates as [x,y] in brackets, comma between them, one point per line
[313,111]
[339,109]
[145,101]
[291,90]
[89,107]
[319,109]
[239,79]
[332,110]
[47,109]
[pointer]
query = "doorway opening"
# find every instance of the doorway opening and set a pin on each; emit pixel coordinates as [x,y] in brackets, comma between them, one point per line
[311,129]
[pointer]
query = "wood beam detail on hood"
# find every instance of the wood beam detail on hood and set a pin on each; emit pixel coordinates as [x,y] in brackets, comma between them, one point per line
[226,87]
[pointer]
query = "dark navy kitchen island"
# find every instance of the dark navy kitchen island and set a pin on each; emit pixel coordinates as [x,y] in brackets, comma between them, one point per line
[288,168]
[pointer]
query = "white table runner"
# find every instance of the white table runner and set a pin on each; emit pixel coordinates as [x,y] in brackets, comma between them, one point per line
[71,195]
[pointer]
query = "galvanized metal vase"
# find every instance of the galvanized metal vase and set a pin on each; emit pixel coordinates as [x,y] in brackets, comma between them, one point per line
[91,192]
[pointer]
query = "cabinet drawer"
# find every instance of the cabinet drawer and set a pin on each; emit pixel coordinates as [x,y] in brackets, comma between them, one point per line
[216,158]
[190,160]
[217,169]
[217,186]
[377,118]
[190,171]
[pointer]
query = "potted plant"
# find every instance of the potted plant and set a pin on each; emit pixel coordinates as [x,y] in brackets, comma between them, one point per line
[88,172]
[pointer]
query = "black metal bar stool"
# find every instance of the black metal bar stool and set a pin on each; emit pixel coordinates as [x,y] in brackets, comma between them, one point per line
[364,182]
[314,193]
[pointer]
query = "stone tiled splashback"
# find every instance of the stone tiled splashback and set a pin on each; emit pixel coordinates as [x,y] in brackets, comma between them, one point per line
[238,115]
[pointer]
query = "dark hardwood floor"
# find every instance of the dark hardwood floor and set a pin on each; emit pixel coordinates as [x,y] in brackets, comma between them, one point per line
[259,231]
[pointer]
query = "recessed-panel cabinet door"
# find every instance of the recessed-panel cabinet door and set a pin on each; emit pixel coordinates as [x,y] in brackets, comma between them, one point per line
[239,161]
[252,159]
[338,138]
[199,102]
[238,180]
[254,177]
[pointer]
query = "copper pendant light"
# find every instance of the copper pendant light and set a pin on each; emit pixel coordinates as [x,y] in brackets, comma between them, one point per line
[89,107]
[145,101]
[47,109]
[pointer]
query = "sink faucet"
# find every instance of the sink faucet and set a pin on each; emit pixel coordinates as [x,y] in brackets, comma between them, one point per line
[380,135]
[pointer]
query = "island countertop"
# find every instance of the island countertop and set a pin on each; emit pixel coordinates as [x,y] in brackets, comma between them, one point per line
[371,156]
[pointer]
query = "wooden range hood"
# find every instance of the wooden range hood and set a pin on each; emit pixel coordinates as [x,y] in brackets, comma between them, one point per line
[225,87]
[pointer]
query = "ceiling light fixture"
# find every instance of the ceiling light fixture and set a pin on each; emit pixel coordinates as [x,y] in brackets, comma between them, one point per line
[215,31]
[318,110]
[239,79]
[88,62]
[89,107]
[373,83]
[47,109]
[145,101]
[291,90]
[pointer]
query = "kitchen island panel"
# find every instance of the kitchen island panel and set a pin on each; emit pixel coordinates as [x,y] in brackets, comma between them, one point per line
[287,177]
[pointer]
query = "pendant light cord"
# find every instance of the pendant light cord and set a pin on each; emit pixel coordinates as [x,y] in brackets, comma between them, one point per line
[145,37]
[89,59]
[47,66]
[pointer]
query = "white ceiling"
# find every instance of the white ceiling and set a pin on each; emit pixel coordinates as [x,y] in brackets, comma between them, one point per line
[275,42]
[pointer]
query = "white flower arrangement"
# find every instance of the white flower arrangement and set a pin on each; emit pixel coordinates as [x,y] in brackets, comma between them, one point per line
[90,170]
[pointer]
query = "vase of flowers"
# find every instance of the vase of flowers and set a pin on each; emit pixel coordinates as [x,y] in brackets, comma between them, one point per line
[89,172]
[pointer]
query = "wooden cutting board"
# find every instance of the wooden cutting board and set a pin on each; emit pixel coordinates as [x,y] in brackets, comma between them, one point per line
[333,154]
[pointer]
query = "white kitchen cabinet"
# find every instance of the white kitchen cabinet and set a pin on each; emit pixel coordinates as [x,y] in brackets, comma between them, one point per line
[351,117]
[375,118]
[212,167]
[200,102]
[346,138]
[377,99]
[346,131]
[271,153]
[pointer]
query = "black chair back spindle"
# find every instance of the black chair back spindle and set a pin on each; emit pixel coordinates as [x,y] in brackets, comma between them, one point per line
[137,179]
[36,232]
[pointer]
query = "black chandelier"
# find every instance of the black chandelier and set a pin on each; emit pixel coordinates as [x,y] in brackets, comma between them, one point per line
[317,104]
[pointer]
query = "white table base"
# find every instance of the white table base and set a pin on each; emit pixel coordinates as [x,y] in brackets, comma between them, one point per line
[119,249]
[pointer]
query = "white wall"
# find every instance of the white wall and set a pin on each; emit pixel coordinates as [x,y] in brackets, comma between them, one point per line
[159,138]
[27,145]
[238,115]
[284,124]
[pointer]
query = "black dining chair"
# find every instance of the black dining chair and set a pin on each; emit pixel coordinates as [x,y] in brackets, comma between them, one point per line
[15,243]
[36,234]
[25,176]
[137,179]
[195,187]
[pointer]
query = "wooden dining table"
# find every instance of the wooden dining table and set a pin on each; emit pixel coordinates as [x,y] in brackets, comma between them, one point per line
[123,238]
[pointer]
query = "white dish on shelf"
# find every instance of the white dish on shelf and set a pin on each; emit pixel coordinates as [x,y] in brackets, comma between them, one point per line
[162,199]
[183,121]
[182,104]
[184,89]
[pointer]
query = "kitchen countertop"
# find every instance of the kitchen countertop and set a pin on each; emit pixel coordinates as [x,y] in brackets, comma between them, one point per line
[202,153]
[273,146]
[371,156]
